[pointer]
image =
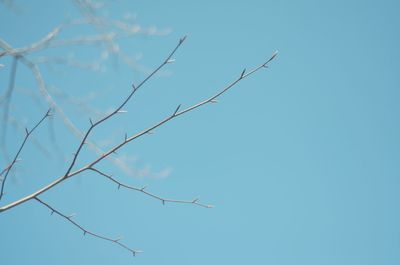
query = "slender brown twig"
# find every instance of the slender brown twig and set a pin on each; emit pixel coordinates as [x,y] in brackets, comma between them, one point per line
[144,191]
[7,170]
[86,231]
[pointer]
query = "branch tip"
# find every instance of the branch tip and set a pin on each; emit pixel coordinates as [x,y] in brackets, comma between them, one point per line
[270,59]
[182,39]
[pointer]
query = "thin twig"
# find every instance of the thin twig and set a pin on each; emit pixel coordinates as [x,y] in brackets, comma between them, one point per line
[85,231]
[144,191]
[8,168]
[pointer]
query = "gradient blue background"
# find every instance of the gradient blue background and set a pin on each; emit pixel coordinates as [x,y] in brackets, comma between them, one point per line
[301,160]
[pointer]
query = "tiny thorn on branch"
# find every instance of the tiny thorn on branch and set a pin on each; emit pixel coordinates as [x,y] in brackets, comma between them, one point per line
[176,110]
[122,111]
[243,72]
[170,61]
[71,215]
[91,122]
[214,101]
[118,239]
[26,131]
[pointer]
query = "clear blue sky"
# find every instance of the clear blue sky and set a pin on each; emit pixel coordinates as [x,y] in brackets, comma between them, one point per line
[301,160]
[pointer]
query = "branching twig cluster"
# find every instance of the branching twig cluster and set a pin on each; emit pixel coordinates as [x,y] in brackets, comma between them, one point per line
[20,56]
[91,166]
[108,32]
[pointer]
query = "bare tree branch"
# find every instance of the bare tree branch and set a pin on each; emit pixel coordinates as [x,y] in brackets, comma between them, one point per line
[7,170]
[7,100]
[32,47]
[127,140]
[86,231]
[143,190]
[135,88]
